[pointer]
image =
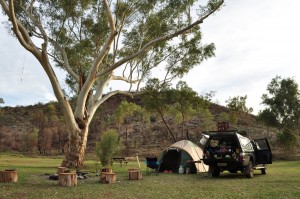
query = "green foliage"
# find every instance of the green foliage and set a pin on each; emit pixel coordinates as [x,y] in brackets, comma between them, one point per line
[81,27]
[237,105]
[107,146]
[30,140]
[283,109]
[283,101]
[180,104]
[127,109]
[223,117]
[1,101]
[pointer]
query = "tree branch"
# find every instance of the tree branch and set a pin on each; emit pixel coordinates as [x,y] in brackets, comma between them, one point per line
[79,112]
[19,30]
[124,79]
[160,39]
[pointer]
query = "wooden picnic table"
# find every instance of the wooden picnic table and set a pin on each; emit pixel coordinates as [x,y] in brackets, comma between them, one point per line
[121,160]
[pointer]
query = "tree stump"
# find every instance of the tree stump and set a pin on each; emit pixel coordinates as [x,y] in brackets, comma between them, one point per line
[67,179]
[110,178]
[8,176]
[134,174]
[61,170]
[108,170]
[103,177]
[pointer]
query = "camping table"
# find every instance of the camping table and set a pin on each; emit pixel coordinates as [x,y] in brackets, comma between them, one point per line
[119,159]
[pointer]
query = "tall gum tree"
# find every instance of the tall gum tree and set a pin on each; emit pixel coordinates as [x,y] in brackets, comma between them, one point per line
[99,41]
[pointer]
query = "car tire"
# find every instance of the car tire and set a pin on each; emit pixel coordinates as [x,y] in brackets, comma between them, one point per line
[214,172]
[264,171]
[249,170]
[232,171]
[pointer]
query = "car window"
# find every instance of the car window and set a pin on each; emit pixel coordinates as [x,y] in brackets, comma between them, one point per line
[214,143]
[261,144]
[245,143]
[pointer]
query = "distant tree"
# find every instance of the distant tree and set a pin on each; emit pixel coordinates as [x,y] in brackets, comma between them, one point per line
[39,119]
[283,108]
[223,117]
[45,140]
[107,146]
[53,118]
[30,141]
[157,98]
[63,137]
[93,40]
[237,105]
[186,102]
[125,112]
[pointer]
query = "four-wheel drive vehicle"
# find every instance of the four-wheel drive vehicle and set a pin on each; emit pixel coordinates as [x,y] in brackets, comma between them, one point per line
[228,150]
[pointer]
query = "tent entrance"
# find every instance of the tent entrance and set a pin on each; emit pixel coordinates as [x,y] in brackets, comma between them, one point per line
[173,158]
[170,161]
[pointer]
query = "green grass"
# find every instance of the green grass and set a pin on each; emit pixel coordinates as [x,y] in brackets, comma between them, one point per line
[282,181]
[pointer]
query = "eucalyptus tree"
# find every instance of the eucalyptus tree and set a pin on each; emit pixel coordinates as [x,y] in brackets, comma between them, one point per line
[158,99]
[186,103]
[98,42]
[283,107]
[126,111]
[237,105]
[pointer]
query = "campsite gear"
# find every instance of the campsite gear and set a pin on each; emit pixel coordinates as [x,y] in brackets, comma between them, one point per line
[137,158]
[152,165]
[185,153]
[181,169]
[187,170]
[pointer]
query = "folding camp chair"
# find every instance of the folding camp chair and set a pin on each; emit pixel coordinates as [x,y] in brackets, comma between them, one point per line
[152,165]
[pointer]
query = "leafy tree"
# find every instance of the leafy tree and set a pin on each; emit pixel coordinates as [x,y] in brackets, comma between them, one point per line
[107,146]
[125,112]
[30,141]
[186,103]
[94,40]
[223,117]
[157,98]
[237,105]
[283,108]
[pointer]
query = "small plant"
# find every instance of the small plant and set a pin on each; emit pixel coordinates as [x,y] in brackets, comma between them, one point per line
[107,146]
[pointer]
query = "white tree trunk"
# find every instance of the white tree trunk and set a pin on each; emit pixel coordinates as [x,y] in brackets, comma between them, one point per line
[74,157]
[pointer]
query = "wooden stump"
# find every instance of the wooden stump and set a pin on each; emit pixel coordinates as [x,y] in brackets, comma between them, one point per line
[110,178]
[103,177]
[61,170]
[134,174]
[67,179]
[8,176]
[108,170]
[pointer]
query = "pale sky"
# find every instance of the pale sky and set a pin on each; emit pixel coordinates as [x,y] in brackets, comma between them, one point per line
[255,41]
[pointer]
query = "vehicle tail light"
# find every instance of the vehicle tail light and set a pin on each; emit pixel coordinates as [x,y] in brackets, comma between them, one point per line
[242,157]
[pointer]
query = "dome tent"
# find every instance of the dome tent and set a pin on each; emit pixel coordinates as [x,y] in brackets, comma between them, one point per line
[179,154]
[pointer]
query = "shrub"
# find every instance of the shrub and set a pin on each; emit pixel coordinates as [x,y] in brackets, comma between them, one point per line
[107,146]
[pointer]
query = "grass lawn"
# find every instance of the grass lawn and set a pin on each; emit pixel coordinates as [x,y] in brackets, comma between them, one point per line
[282,181]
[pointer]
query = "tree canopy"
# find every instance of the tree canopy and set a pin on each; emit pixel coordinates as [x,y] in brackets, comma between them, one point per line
[283,108]
[98,42]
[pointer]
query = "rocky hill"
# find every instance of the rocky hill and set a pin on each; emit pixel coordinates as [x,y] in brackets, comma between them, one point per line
[18,122]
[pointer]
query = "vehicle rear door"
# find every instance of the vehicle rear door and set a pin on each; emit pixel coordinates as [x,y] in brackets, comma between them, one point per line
[263,152]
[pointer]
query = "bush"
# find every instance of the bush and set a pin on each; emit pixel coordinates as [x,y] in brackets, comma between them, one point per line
[107,146]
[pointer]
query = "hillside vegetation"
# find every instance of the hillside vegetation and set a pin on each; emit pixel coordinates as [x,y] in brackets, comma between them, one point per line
[40,129]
